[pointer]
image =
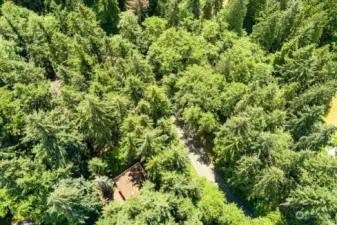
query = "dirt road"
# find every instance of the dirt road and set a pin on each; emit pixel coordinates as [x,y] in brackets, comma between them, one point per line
[204,167]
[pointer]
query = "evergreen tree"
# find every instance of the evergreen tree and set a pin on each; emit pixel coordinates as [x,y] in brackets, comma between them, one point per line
[194,7]
[95,121]
[234,14]
[72,201]
[207,10]
[107,13]
[55,142]
[23,186]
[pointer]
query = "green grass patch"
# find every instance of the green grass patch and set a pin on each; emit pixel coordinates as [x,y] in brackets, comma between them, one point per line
[331,117]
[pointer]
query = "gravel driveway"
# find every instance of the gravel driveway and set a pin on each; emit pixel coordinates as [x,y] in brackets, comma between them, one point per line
[204,167]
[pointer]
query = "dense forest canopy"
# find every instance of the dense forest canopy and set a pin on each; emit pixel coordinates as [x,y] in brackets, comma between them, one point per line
[88,87]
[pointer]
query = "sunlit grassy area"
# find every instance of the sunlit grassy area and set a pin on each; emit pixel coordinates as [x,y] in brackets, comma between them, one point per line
[331,117]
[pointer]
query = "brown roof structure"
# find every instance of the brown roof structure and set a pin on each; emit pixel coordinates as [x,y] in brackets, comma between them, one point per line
[129,182]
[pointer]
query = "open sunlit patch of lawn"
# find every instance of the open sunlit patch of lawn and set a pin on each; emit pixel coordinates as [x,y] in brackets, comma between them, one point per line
[331,117]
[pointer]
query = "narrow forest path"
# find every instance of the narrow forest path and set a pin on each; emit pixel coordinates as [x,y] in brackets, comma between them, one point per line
[204,167]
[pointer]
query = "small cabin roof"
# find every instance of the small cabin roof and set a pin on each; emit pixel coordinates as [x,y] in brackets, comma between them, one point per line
[129,182]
